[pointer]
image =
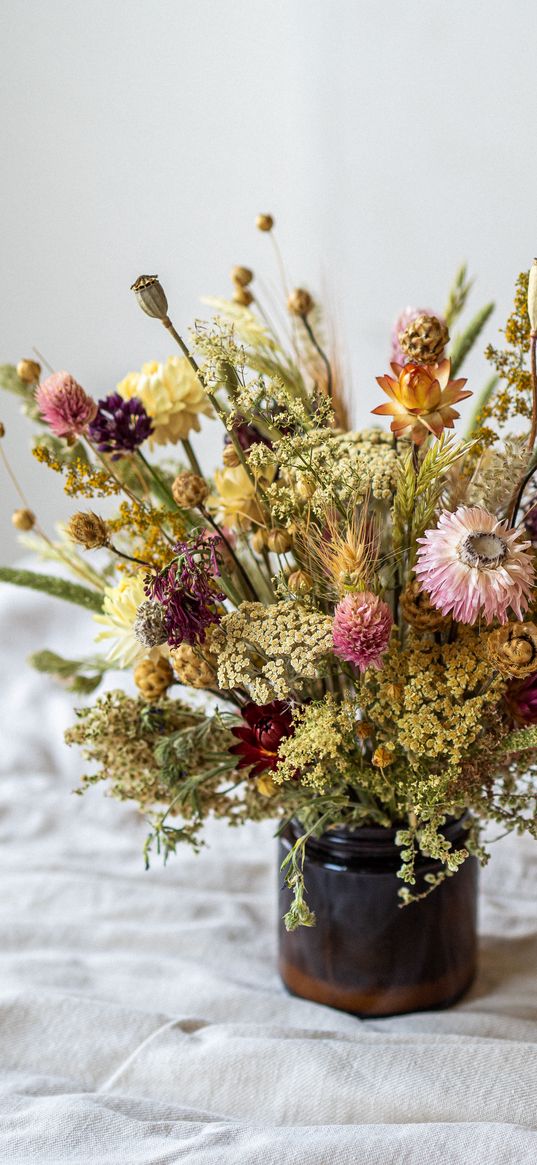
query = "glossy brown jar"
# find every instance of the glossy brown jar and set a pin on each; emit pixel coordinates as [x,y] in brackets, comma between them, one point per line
[367,954]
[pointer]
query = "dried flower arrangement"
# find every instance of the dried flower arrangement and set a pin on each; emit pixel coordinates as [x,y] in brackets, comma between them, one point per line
[358,606]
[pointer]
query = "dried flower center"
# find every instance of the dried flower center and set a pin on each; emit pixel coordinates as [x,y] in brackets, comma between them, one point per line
[487,551]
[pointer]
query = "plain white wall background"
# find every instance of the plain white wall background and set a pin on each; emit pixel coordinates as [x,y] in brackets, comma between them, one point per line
[389,140]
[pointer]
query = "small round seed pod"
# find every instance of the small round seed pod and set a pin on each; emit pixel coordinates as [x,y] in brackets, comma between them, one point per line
[278,541]
[300,302]
[241,275]
[512,649]
[29,371]
[364,731]
[264,222]
[195,666]
[150,624]
[88,530]
[230,457]
[189,490]
[419,611]
[151,296]
[424,339]
[23,519]
[153,678]
[242,296]
[259,540]
[299,582]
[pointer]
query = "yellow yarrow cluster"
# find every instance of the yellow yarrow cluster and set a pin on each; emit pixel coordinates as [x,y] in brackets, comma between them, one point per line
[433,700]
[172,395]
[271,650]
[322,748]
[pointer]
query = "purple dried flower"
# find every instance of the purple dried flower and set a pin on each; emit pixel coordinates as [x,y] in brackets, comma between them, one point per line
[120,425]
[247,435]
[187,591]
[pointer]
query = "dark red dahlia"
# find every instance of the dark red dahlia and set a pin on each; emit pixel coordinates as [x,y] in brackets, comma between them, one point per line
[258,739]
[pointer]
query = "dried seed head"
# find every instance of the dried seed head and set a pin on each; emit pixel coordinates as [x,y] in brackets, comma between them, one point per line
[532,296]
[512,649]
[153,678]
[300,302]
[242,296]
[88,530]
[278,541]
[259,540]
[189,490]
[241,275]
[151,297]
[23,519]
[29,371]
[150,624]
[299,582]
[264,222]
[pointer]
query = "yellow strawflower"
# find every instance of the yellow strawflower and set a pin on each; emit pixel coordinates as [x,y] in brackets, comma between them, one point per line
[172,395]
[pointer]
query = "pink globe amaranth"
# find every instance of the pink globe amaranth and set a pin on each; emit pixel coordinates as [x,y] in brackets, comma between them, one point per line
[521,700]
[64,405]
[361,630]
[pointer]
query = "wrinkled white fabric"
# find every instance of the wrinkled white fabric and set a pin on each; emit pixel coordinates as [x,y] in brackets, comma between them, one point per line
[141,1015]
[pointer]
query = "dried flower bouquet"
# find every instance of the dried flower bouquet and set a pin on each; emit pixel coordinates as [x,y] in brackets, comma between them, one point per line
[358,606]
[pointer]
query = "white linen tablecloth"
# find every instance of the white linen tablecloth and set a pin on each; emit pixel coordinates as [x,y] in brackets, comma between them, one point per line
[141,1015]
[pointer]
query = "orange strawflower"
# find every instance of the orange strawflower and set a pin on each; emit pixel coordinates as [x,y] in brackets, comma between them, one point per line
[421,399]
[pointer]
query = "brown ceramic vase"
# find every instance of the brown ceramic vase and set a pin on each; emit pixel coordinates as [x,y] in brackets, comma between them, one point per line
[367,954]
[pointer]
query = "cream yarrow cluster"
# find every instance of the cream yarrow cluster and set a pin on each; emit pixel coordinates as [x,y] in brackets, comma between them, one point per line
[270,651]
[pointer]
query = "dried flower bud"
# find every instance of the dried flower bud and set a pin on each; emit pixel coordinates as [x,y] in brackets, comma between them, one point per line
[2,430]
[264,222]
[259,540]
[29,371]
[150,624]
[419,611]
[512,649]
[189,490]
[532,296]
[299,582]
[230,457]
[23,519]
[153,678]
[151,297]
[242,296]
[196,666]
[278,541]
[241,275]
[89,530]
[300,302]
[383,756]
[364,731]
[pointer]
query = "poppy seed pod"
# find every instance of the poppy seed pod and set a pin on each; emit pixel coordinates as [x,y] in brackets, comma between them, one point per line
[241,275]
[264,222]
[242,296]
[23,519]
[300,302]
[151,297]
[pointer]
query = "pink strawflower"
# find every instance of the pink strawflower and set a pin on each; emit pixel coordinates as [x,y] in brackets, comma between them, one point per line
[472,564]
[64,405]
[361,630]
[402,322]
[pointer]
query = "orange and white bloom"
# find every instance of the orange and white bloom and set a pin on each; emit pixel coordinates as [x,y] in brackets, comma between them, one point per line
[421,399]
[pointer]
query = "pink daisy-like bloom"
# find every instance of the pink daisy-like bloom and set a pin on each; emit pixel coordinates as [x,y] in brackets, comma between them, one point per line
[473,564]
[64,405]
[361,629]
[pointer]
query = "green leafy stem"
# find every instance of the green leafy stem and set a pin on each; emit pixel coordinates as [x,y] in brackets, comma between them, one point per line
[59,588]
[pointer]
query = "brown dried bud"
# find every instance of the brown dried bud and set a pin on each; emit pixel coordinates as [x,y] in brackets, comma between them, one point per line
[299,582]
[382,756]
[241,275]
[189,490]
[23,519]
[424,339]
[419,611]
[264,222]
[196,666]
[278,541]
[153,678]
[513,649]
[364,731]
[89,530]
[259,540]
[151,297]
[300,302]
[242,296]
[2,429]
[29,371]
[230,457]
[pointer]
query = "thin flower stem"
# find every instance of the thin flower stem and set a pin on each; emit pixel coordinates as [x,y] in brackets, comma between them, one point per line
[250,590]
[192,459]
[130,557]
[533,365]
[324,357]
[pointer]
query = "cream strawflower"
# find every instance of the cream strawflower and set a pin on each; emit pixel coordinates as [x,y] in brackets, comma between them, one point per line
[172,396]
[472,564]
[235,503]
[120,607]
